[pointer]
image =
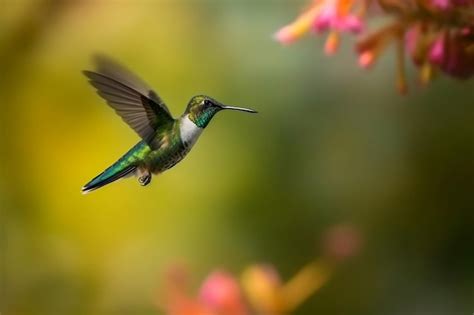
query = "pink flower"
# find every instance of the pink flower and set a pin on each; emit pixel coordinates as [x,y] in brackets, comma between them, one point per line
[324,15]
[442,4]
[334,16]
[221,293]
[454,54]
[437,51]
[342,241]
[450,4]
[435,34]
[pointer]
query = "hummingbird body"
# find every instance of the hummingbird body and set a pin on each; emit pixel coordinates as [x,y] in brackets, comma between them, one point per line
[165,141]
[177,140]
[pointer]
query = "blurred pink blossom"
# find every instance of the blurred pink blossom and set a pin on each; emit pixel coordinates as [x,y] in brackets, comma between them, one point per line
[261,289]
[450,4]
[454,54]
[342,241]
[334,16]
[436,34]
[221,293]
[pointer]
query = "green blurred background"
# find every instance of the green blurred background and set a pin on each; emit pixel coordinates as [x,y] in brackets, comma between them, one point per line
[331,144]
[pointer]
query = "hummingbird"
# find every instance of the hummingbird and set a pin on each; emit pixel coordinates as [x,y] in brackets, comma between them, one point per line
[165,140]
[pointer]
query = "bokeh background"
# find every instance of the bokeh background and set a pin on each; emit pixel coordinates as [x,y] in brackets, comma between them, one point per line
[331,144]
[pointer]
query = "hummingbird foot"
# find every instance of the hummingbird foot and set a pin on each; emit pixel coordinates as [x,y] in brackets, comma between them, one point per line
[144,179]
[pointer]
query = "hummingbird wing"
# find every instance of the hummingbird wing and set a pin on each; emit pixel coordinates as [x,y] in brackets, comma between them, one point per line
[114,70]
[138,105]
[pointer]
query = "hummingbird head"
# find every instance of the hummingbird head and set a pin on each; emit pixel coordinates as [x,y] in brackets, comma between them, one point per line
[202,108]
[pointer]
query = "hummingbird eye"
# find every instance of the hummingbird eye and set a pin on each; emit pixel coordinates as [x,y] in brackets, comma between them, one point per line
[207,103]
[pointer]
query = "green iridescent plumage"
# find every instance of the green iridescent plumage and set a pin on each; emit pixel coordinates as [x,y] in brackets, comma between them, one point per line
[165,140]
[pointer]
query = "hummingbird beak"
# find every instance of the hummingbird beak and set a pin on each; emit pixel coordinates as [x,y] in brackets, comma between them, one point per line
[248,110]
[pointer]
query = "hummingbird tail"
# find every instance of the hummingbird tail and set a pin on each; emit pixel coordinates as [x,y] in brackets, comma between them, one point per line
[111,174]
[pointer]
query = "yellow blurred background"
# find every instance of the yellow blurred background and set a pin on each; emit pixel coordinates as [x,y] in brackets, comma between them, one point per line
[331,144]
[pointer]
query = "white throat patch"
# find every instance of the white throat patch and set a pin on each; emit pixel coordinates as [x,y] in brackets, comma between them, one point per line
[189,131]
